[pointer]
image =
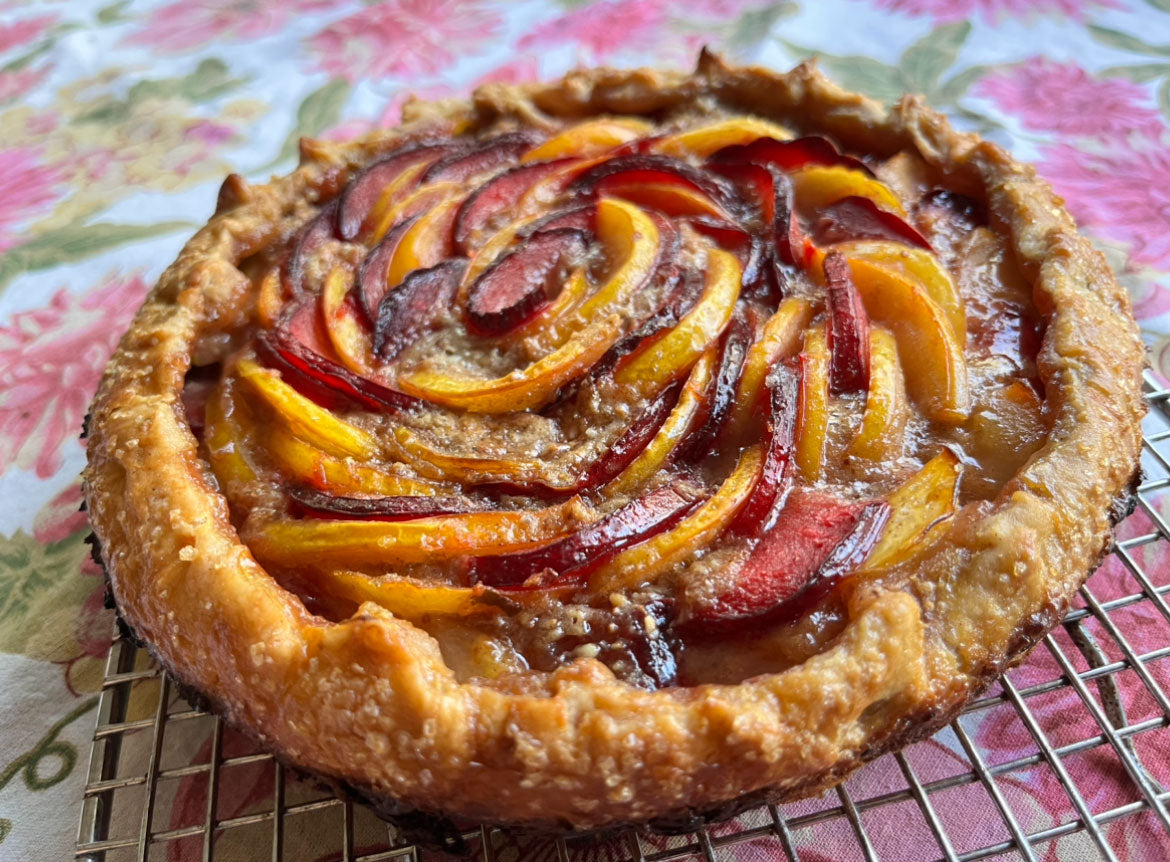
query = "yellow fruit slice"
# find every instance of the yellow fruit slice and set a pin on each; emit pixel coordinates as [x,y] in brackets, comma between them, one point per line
[918,265]
[673,430]
[523,389]
[407,599]
[343,476]
[642,562]
[883,425]
[655,365]
[933,360]
[415,201]
[812,416]
[348,335]
[591,138]
[706,140]
[433,461]
[818,186]
[425,243]
[630,240]
[313,424]
[575,289]
[226,433]
[332,543]
[916,508]
[780,339]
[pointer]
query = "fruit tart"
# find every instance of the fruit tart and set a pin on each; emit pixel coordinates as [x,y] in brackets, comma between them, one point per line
[625,449]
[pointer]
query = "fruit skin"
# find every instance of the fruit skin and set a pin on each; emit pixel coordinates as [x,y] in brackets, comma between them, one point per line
[631,171]
[363,191]
[516,286]
[717,405]
[500,194]
[855,217]
[817,541]
[573,558]
[375,269]
[631,443]
[318,504]
[848,328]
[299,348]
[487,155]
[319,229]
[414,306]
[643,562]
[790,155]
[771,490]
[345,322]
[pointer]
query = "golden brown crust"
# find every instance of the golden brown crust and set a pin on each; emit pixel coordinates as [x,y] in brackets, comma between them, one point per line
[369,701]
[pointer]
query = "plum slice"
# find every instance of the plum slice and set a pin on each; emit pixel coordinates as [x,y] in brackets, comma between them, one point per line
[374,272]
[857,217]
[721,393]
[582,217]
[317,504]
[363,191]
[848,328]
[515,287]
[635,438]
[574,557]
[769,494]
[299,345]
[789,155]
[485,156]
[414,306]
[317,230]
[816,541]
[497,195]
[789,234]
[658,170]
[759,275]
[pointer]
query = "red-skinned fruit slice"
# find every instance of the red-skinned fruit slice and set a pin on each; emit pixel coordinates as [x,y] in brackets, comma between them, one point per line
[855,218]
[758,272]
[771,489]
[516,286]
[789,155]
[317,230]
[635,438]
[654,169]
[848,328]
[363,191]
[375,269]
[755,183]
[307,502]
[498,195]
[414,306]
[573,558]
[300,344]
[488,155]
[740,334]
[791,240]
[816,541]
[582,217]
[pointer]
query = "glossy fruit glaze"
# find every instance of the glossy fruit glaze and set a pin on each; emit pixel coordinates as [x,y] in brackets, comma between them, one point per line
[654,396]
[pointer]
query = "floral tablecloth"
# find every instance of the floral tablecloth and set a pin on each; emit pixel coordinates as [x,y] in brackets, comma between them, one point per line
[119,119]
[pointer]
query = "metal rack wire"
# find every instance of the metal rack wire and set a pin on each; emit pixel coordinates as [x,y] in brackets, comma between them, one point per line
[1086,692]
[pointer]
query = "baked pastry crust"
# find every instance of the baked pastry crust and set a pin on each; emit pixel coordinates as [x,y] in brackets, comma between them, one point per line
[369,701]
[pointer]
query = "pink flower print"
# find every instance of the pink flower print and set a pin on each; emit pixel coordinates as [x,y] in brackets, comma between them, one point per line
[603,28]
[20,34]
[407,38]
[189,23]
[1122,193]
[958,10]
[14,84]
[27,189]
[61,517]
[1062,97]
[50,362]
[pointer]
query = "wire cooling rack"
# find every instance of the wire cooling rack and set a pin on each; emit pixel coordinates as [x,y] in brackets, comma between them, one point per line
[168,782]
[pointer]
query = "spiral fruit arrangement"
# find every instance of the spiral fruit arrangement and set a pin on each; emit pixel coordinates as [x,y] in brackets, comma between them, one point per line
[608,392]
